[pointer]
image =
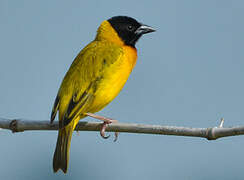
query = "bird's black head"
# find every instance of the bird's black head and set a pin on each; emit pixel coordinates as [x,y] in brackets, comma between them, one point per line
[128,29]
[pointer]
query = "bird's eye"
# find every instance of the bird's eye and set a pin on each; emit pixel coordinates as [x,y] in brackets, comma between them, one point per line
[130,28]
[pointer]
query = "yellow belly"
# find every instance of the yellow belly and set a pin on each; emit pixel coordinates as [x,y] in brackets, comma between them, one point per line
[114,79]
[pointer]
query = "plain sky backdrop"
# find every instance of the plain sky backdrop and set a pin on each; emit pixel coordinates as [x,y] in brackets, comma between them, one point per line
[189,73]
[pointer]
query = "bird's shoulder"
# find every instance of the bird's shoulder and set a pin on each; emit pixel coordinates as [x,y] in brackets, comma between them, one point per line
[95,55]
[89,65]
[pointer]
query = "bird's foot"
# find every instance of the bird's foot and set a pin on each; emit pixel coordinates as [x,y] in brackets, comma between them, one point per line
[106,121]
[103,129]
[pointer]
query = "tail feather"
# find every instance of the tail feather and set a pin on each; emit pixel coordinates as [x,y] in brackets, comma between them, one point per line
[61,154]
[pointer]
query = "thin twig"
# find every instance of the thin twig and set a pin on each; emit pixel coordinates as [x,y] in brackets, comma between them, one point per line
[212,133]
[221,122]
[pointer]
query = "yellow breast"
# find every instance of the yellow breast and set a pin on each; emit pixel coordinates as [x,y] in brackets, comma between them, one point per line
[115,78]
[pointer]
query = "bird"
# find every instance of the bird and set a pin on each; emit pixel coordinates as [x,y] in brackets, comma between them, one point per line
[94,79]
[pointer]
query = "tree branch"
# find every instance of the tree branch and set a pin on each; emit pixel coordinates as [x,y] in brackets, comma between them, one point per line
[212,133]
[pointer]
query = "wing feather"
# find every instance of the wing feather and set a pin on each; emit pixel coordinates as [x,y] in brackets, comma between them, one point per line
[79,85]
[55,109]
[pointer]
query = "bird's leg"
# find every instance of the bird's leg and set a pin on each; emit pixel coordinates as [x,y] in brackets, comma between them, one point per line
[106,121]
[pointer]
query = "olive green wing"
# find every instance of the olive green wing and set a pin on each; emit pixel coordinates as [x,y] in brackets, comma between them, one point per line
[55,109]
[79,85]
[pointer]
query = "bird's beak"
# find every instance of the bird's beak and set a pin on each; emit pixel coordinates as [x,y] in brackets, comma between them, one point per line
[144,29]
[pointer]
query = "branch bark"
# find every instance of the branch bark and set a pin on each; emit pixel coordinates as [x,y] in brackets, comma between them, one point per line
[212,133]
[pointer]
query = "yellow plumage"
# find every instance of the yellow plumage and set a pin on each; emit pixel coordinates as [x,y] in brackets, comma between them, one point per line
[95,78]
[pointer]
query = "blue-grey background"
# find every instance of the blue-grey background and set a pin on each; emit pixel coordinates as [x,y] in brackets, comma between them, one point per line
[189,73]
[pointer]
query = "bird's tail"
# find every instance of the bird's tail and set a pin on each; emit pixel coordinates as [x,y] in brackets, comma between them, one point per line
[61,154]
